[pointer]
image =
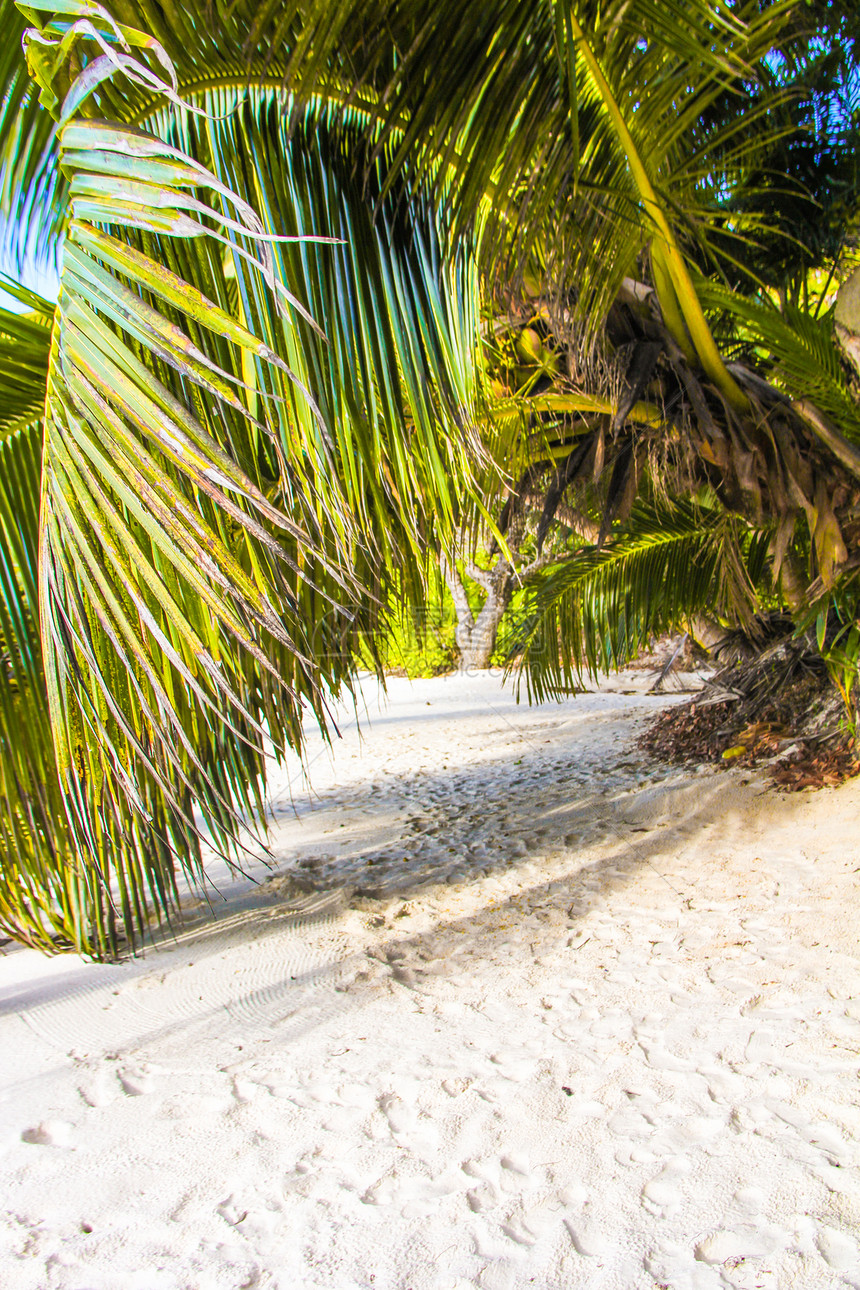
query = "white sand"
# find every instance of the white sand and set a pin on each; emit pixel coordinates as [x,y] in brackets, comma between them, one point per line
[588,1021]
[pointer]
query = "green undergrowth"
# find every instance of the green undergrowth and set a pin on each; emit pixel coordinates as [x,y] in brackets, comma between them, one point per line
[422,642]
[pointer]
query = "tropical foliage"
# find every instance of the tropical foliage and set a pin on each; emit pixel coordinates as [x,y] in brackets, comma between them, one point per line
[295,242]
[599,609]
[215,539]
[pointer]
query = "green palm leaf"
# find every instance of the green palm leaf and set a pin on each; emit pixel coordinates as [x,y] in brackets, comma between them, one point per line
[800,350]
[214,539]
[598,609]
[172,587]
[32,196]
[25,340]
[571,126]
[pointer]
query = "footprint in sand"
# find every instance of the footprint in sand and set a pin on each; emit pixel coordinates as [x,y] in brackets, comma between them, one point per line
[527,1228]
[50,1133]
[232,1211]
[837,1249]
[302,1179]
[516,1170]
[386,1191]
[588,1237]
[672,1265]
[511,1065]
[723,1085]
[98,1088]
[401,1119]
[136,1081]
[497,1178]
[749,1200]
[662,1195]
[498,1276]
[742,1242]
[838,1179]
[629,1123]
[483,1198]
[827,1138]
[244,1090]
[660,1059]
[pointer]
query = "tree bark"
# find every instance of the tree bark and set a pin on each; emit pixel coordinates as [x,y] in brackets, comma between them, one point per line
[476,634]
[848,320]
[705,632]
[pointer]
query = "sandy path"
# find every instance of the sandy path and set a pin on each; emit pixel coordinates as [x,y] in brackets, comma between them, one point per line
[551,1016]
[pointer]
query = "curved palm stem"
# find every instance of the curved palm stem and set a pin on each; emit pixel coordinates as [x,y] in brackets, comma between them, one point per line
[675,288]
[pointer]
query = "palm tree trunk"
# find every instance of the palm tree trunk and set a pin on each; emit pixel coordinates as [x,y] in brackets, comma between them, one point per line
[476,634]
[848,321]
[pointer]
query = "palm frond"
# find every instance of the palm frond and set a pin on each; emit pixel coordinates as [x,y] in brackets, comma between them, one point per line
[546,120]
[25,341]
[170,583]
[31,188]
[214,537]
[41,892]
[799,349]
[596,610]
[397,373]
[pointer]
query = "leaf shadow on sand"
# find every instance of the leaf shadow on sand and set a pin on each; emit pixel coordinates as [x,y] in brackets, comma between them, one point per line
[292,970]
